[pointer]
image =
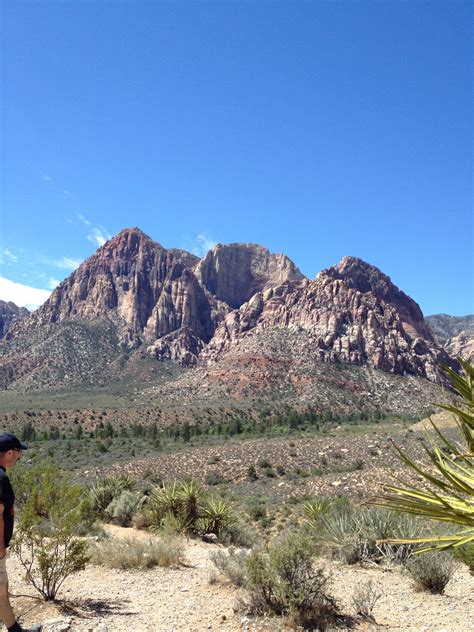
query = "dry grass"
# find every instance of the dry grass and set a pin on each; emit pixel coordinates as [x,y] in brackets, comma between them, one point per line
[128,553]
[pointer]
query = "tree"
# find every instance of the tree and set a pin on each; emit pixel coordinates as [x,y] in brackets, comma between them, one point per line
[447,494]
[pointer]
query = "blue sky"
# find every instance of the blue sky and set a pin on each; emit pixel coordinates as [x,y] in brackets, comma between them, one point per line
[317,129]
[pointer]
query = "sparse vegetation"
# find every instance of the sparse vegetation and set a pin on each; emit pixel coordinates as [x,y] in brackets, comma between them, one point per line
[128,553]
[364,599]
[282,580]
[432,571]
[45,539]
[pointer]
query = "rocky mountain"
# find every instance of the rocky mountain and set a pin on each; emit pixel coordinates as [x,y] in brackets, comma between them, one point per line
[9,314]
[350,313]
[454,333]
[246,319]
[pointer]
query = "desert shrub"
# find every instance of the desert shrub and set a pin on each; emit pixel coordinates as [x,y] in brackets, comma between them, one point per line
[264,463]
[238,534]
[231,564]
[122,508]
[143,519]
[465,554]
[46,541]
[129,553]
[354,534]
[214,478]
[252,473]
[364,599]
[283,581]
[432,571]
[102,494]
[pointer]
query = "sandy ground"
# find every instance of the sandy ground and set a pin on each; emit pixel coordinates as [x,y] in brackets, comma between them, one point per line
[164,600]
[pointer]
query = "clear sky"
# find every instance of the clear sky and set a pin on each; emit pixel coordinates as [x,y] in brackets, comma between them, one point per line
[317,129]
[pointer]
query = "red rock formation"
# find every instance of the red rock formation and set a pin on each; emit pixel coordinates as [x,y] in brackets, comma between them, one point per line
[351,313]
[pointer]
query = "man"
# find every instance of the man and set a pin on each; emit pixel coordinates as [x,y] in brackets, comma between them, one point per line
[10,450]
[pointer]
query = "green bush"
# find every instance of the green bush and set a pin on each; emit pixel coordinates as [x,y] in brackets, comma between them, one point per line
[45,540]
[214,478]
[283,581]
[465,554]
[102,494]
[122,508]
[127,553]
[432,571]
[231,564]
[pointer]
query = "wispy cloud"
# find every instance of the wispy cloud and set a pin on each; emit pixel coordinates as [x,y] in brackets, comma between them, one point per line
[202,244]
[22,295]
[53,283]
[46,178]
[6,256]
[85,221]
[66,263]
[98,235]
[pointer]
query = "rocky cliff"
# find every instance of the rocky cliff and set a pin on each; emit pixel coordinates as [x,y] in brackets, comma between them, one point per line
[351,312]
[454,333]
[9,314]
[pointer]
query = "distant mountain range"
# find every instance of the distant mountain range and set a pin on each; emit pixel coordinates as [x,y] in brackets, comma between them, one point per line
[244,322]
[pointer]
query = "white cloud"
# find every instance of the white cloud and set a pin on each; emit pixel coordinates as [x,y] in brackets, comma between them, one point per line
[53,283]
[47,178]
[98,236]
[7,257]
[83,219]
[66,263]
[202,244]
[22,295]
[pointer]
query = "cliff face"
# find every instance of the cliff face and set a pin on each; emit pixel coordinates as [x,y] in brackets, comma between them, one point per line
[9,314]
[234,273]
[154,294]
[455,334]
[351,313]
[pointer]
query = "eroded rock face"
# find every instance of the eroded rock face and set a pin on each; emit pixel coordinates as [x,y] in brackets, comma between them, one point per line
[455,334]
[235,272]
[181,308]
[151,293]
[350,313]
[9,314]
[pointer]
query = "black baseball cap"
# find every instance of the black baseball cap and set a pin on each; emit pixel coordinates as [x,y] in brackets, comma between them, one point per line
[9,441]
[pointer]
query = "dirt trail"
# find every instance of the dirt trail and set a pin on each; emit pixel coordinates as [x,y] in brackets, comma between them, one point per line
[182,599]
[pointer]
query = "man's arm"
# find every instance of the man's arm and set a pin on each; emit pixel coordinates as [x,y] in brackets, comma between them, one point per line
[2,530]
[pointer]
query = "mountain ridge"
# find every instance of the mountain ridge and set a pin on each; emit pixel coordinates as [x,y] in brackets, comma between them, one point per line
[227,311]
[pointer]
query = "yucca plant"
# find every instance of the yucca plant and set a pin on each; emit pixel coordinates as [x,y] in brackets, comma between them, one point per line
[448,492]
[216,515]
[103,493]
[314,509]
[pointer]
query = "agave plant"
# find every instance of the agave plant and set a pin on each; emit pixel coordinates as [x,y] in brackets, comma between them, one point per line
[448,491]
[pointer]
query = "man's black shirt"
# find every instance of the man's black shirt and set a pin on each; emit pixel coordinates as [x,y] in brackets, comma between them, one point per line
[7,499]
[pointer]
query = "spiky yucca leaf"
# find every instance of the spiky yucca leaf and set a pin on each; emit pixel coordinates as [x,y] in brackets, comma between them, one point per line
[448,493]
